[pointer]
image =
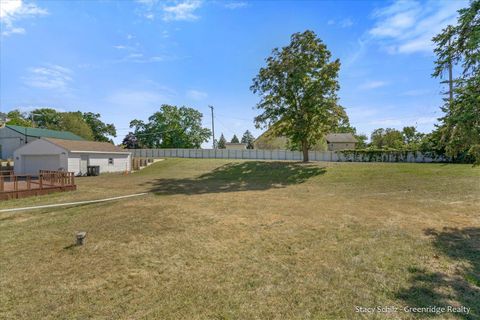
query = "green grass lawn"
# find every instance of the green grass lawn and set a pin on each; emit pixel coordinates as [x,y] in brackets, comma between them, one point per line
[218,239]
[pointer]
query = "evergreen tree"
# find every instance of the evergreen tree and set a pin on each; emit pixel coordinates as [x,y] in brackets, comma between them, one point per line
[248,139]
[235,139]
[221,142]
[459,45]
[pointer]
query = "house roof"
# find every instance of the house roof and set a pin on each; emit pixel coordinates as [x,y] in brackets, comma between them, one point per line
[44,133]
[341,137]
[235,144]
[86,146]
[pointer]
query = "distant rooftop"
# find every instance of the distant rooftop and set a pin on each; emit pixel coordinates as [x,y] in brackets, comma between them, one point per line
[86,146]
[340,137]
[44,133]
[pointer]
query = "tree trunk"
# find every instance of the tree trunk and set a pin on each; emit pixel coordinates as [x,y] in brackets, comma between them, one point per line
[305,151]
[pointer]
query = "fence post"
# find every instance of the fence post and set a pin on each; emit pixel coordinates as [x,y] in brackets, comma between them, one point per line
[40,181]
[29,182]
[1,183]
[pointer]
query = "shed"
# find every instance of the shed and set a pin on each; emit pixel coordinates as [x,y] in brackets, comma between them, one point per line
[70,155]
[235,146]
[13,137]
[340,141]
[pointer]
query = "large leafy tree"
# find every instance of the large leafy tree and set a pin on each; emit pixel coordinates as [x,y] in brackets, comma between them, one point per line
[52,119]
[73,122]
[386,139]
[412,138]
[298,89]
[46,118]
[172,127]
[101,131]
[130,141]
[18,118]
[459,45]
[249,139]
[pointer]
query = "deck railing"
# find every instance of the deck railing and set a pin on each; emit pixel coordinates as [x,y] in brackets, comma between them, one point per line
[15,186]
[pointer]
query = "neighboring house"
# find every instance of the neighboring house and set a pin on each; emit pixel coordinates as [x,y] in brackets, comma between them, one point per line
[235,146]
[267,141]
[13,137]
[70,155]
[340,141]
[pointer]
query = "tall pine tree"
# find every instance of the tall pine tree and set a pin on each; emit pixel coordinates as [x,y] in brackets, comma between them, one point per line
[221,142]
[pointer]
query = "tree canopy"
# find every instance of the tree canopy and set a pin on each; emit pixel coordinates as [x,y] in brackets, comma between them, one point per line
[298,89]
[171,127]
[73,122]
[130,141]
[459,45]
[87,125]
[101,131]
[18,118]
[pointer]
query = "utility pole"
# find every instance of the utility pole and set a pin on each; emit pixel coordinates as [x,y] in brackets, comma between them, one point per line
[213,128]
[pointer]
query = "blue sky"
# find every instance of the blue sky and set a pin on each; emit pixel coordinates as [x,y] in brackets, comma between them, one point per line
[124,59]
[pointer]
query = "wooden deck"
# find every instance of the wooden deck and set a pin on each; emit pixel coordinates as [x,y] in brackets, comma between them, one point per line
[21,186]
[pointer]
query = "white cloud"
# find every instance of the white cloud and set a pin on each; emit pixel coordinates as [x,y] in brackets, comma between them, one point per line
[49,77]
[170,10]
[372,85]
[409,26]
[137,57]
[236,5]
[344,23]
[197,95]
[13,10]
[182,11]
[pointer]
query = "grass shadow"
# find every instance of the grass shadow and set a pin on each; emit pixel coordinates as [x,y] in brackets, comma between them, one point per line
[462,288]
[243,176]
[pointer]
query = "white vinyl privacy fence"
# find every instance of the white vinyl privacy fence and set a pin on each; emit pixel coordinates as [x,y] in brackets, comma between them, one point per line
[254,154]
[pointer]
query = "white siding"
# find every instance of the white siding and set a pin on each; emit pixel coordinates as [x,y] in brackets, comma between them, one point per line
[73,163]
[121,162]
[37,148]
[40,152]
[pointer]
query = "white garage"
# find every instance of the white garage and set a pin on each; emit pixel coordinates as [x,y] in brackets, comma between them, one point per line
[70,155]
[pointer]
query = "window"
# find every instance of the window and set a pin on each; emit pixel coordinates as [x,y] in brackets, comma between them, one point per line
[110,161]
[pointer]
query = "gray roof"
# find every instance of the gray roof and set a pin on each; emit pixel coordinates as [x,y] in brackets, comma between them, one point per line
[86,146]
[340,138]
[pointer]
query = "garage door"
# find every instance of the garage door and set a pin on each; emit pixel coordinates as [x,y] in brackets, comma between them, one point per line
[32,164]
